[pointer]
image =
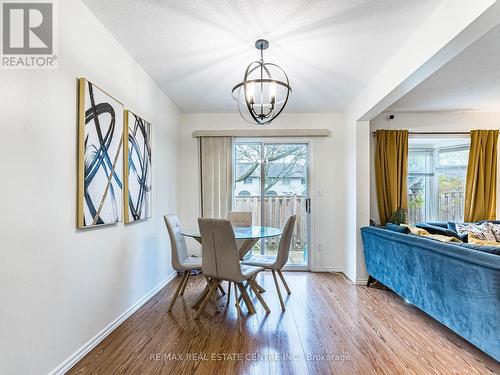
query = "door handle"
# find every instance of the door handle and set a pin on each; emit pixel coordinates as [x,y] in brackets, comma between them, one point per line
[308,205]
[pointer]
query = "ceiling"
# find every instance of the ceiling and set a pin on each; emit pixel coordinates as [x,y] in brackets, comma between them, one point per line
[197,50]
[470,82]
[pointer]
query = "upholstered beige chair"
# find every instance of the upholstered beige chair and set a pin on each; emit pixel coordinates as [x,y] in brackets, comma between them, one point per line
[275,264]
[221,262]
[181,261]
[240,218]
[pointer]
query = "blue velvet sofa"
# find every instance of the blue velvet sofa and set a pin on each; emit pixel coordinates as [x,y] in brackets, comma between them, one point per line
[454,284]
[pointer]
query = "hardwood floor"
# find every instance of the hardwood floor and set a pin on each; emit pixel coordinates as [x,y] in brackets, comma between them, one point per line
[330,327]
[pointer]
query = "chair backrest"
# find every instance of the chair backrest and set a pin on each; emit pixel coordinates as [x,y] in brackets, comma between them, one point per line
[177,241]
[220,258]
[240,218]
[285,241]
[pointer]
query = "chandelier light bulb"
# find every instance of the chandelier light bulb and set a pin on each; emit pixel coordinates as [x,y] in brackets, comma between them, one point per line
[272,91]
[250,91]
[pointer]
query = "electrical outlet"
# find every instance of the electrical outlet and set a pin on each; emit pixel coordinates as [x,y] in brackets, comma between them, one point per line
[320,248]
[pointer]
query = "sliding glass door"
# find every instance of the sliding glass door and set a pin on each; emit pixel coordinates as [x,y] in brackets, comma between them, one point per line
[271,180]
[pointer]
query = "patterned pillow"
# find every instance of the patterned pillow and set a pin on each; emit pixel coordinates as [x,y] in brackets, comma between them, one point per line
[495,228]
[480,231]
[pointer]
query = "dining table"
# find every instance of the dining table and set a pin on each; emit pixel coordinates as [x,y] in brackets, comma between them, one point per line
[248,237]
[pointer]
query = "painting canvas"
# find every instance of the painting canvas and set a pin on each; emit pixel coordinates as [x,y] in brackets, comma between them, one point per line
[138,181]
[100,157]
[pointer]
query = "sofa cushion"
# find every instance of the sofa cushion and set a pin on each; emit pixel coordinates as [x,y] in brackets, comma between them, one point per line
[434,229]
[441,224]
[397,228]
[453,227]
[483,248]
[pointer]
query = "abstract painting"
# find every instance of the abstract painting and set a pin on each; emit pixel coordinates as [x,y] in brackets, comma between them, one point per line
[137,167]
[100,158]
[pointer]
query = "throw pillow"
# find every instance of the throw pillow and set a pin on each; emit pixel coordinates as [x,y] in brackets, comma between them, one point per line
[495,228]
[480,231]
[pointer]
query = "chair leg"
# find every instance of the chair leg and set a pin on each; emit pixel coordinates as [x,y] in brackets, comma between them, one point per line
[278,290]
[247,299]
[228,292]
[202,295]
[238,307]
[283,281]
[185,283]
[259,288]
[241,295]
[221,289]
[258,295]
[213,288]
[176,293]
[212,299]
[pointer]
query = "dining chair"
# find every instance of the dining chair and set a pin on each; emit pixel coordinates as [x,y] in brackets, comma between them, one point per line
[221,262]
[181,261]
[240,218]
[275,264]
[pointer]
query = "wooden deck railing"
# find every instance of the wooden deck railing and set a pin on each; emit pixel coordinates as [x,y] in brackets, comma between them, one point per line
[277,210]
[450,207]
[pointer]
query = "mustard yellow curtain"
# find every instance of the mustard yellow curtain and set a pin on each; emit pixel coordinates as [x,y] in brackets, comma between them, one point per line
[391,171]
[481,183]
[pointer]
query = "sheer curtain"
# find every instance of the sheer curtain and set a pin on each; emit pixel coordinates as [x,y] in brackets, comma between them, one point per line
[216,171]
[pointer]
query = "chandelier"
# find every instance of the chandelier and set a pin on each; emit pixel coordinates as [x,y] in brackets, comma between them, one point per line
[264,92]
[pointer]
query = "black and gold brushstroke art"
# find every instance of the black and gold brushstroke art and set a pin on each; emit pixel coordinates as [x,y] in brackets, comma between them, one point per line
[137,167]
[100,160]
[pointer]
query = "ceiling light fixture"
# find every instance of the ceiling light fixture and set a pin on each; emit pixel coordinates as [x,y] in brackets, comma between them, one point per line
[264,92]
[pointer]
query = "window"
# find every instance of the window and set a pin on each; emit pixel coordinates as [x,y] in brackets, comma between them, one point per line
[436,180]
[286,181]
[248,181]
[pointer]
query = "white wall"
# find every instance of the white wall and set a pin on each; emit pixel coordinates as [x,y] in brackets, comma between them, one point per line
[60,286]
[428,122]
[328,158]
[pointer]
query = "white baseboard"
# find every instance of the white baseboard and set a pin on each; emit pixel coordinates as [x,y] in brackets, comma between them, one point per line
[326,269]
[357,281]
[361,281]
[94,341]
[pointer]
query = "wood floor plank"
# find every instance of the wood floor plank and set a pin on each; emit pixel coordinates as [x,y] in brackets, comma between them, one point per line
[330,326]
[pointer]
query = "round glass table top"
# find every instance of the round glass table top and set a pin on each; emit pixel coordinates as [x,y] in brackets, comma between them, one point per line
[241,233]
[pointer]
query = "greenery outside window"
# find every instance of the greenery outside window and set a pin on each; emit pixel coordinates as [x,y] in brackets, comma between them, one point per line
[436,182]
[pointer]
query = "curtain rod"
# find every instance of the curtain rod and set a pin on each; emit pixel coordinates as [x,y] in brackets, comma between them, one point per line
[435,133]
[249,133]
